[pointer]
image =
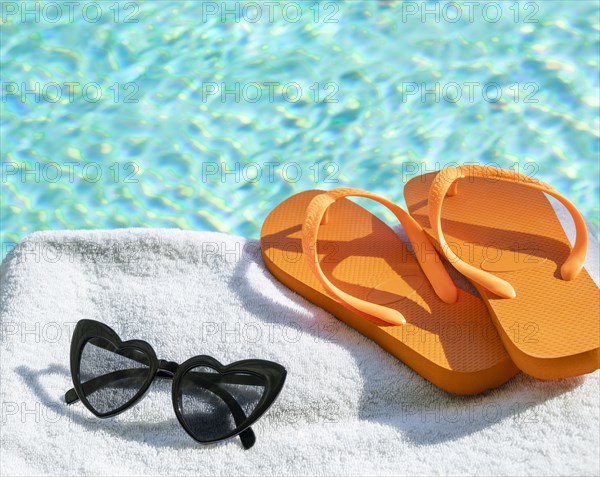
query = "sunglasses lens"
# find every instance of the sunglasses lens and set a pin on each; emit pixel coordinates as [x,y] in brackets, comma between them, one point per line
[111,377]
[214,405]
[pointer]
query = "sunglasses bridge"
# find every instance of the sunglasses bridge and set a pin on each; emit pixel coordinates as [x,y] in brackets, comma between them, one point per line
[166,369]
[86,330]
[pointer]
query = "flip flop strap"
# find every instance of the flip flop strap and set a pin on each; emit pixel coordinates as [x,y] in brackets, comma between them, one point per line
[446,184]
[433,268]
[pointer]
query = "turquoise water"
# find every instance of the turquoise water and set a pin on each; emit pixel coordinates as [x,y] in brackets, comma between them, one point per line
[201,115]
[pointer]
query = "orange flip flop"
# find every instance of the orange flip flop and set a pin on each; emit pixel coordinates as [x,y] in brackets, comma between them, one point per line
[344,259]
[498,229]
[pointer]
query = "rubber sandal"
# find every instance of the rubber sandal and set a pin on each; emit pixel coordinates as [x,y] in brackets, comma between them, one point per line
[342,258]
[499,229]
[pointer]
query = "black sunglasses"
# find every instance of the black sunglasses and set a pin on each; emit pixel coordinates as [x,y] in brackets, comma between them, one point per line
[211,401]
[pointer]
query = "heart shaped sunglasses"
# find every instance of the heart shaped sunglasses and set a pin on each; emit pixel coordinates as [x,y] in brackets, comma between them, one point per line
[211,401]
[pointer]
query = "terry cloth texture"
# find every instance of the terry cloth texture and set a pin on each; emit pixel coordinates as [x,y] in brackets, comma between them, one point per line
[347,408]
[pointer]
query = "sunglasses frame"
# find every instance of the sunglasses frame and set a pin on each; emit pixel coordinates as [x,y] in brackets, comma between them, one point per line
[270,374]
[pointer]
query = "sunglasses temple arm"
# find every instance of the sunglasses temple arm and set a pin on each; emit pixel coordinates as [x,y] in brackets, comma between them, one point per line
[128,353]
[71,396]
[247,379]
[231,378]
[203,379]
[248,438]
[95,384]
[107,379]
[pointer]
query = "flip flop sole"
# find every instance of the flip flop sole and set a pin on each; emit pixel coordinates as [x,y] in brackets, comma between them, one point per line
[552,328]
[456,347]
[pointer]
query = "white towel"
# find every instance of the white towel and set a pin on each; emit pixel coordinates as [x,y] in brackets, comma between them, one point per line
[347,408]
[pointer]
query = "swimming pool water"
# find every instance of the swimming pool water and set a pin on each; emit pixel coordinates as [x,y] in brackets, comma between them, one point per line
[205,115]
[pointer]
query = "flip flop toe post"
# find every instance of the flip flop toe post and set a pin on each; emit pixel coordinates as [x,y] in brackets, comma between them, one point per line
[499,229]
[344,259]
